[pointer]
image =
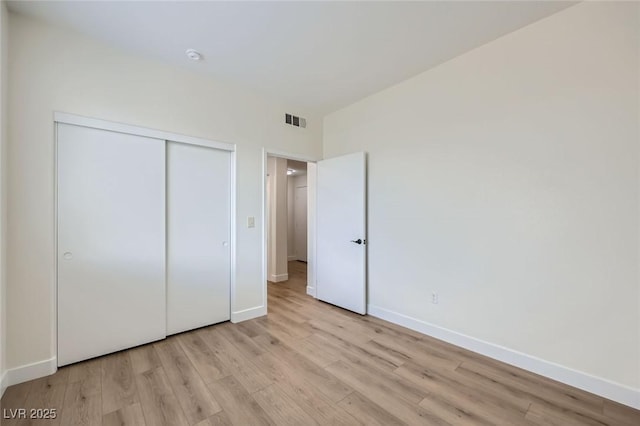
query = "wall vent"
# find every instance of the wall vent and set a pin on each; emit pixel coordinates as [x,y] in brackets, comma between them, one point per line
[295,121]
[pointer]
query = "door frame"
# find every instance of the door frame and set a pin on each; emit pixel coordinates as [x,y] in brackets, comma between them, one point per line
[78,120]
[311,259]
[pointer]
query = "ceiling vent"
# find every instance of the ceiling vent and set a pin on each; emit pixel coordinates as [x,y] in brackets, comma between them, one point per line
[295,121]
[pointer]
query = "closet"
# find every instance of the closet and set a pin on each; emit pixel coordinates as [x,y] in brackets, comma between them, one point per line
[198,232]
[143,237]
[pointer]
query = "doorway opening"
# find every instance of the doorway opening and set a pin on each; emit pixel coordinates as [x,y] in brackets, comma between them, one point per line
[336,228]
[289,201]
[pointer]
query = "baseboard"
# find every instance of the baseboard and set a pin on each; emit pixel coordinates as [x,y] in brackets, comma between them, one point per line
[3,383]
[28,372]
[596,385]
[247,314]
[311,291]
[278,278]
[290,258]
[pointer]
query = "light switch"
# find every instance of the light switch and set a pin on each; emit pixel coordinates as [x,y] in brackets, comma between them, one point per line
[251,222]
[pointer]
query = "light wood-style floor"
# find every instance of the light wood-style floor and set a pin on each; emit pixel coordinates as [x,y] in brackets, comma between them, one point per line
[306,363]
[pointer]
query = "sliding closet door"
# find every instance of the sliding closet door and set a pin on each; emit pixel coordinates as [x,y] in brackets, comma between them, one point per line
[111,242]
[198,235]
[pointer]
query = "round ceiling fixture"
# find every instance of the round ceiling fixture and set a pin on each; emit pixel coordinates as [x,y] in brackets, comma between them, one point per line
[194,55]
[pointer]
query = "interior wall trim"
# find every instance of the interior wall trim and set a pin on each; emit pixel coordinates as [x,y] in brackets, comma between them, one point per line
[78,120]
[3,383]
[24,373]
[247,314]
[581,380]
[278,278]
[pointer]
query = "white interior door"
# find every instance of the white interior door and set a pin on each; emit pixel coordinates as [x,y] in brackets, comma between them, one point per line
[198,235]
[300,222]
[341,231]
[111,242]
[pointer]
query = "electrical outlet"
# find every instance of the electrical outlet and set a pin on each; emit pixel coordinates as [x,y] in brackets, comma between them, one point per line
[434,298]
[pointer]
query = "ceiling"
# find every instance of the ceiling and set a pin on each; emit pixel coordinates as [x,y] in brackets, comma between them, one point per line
[314,56]
[298,167]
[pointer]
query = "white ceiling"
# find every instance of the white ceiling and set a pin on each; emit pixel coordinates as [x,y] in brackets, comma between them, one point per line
[316,56]
[299,167]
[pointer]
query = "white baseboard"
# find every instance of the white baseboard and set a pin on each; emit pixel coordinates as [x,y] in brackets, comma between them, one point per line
[28,372]
[247,314]
[596,385]
[293,257]
[311,291]
[3,383]
[278,278]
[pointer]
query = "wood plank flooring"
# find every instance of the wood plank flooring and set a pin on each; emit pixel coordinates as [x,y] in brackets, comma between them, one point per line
[306,363]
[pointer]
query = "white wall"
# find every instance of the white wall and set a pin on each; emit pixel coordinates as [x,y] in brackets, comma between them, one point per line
[4,50]
[522,212]
[277,269]
[299,233]
[300,180]
[293,182]
[57,70]
[291,249]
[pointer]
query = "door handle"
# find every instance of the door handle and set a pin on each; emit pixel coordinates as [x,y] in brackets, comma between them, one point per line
[358,241]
